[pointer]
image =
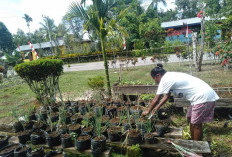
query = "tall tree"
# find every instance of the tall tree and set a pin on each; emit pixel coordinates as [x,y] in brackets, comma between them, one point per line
[49,27]
[61,30]
[187,8]
[213,7]
[226,11]
[226,7]
[28,19]
[38,36]
[151,33]
[98,17]
[131,21]
[202,38]
[169,15]
[20,38]
[74,25]
[154,4]
[6,40]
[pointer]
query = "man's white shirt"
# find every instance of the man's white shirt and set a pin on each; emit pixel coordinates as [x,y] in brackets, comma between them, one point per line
[188,87]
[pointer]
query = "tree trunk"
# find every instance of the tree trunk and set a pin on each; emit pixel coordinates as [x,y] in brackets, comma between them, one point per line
[194,40]
[200,55]
[106,67]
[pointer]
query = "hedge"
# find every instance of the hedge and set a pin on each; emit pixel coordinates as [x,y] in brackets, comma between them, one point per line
[40,69]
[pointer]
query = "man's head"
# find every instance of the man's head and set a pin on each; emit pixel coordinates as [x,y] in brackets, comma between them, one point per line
[157,73]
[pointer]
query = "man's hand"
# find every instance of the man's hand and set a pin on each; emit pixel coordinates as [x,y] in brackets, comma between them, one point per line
[153,111]
[145,113]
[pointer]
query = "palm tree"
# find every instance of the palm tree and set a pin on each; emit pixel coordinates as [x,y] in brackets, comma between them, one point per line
[154,4]
[28,19]
[97,17]
[49,27]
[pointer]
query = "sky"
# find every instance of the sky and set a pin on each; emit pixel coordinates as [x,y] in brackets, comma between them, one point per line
[12,11]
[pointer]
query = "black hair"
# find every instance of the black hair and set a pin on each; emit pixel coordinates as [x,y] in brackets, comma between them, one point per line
[158,70]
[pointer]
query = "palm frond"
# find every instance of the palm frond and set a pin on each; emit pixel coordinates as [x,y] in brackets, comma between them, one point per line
[151,6]
[112,4]
[103,30]
[94,21]
[83,2]
[77,10]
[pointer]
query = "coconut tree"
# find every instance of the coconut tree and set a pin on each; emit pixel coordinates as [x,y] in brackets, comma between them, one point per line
[48,27]
[28,19]
[50,30]
[154,4]
[98,17]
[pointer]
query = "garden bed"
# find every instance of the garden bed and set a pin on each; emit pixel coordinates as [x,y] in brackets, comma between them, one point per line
[225,94]
[222,102]
[162,143]
[134,89]
[107,129]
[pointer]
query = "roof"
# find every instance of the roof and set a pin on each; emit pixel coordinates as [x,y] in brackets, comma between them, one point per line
[41,45]
[179,23]
[45,45]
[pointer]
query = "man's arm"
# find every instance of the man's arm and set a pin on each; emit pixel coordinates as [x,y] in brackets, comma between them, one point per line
[154,102]
[163,101]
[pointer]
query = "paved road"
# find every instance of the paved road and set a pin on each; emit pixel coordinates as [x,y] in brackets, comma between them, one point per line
[100,65]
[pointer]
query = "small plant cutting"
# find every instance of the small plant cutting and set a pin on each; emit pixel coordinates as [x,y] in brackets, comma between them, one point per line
[64,119]
[18,126]
[83,140]
[28,123]
[88,128]
[115,131]
[98,142]
[149,137]
[53,136]
[134,135]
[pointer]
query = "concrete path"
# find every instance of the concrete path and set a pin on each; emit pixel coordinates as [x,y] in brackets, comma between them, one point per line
[100,65]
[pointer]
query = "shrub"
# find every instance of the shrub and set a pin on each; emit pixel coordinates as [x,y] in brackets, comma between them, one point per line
[168,47]
[42,77]
[139,44]
[134,150]
[1,69]
[96,83]
[136,53]
[179,47]
[147,96]
[224,52]
[1,78]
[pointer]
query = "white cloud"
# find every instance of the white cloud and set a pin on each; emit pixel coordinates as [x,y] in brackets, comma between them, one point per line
[12,11]
[170,4]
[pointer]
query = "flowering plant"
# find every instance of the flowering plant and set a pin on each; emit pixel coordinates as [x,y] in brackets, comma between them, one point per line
[224,52]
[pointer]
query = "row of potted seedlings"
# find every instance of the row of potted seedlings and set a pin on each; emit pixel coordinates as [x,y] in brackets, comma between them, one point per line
[87,123]
[21,150]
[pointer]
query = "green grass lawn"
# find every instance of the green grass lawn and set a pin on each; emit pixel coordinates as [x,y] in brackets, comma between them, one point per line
[75,83]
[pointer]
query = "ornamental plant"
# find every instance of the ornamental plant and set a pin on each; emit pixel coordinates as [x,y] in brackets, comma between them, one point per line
[97,85]
[42,76]
[224,52]
[1,69]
